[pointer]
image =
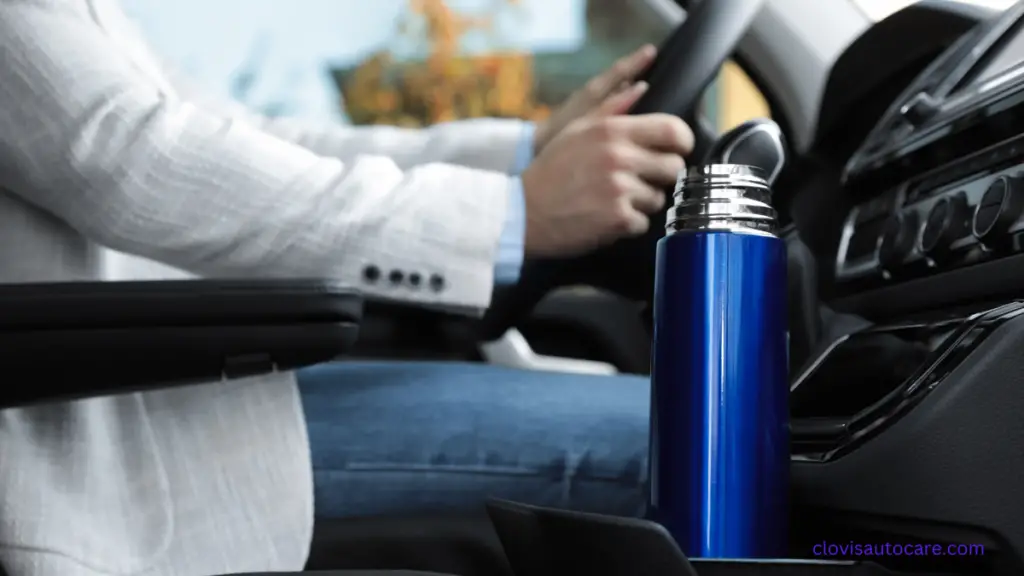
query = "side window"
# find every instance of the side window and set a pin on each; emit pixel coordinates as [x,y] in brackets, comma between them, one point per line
[412,62]
[513,59]
[403,62]
[733,99]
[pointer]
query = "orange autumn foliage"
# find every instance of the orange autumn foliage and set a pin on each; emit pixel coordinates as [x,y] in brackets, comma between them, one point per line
[446,85]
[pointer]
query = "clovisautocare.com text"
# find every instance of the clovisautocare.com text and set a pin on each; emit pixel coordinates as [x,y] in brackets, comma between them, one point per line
[848,549]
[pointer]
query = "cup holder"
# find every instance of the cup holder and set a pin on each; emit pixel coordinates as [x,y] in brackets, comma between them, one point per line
[860,380]
[789,568]
[547,542]
[859,372]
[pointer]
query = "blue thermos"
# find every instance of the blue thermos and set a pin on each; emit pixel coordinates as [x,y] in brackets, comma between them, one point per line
[720,392]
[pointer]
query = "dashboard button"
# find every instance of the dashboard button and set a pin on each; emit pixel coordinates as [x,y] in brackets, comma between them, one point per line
[998,209]
[946,223]
[897,239]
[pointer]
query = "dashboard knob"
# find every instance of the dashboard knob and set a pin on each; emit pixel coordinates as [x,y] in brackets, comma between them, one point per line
[919,109]
[998,209]
[946,223]
[897,239]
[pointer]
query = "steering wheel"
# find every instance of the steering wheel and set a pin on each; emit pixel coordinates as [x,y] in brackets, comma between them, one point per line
[687,63]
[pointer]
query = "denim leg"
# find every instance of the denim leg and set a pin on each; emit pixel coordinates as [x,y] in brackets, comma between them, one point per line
[410,437]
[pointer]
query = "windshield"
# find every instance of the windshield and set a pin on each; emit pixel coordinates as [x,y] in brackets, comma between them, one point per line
[878,9]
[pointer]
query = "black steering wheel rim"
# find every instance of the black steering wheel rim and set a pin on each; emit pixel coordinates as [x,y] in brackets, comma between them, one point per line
[688,61]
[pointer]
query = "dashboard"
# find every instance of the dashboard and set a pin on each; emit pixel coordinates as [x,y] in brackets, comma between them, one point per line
[905,417]
[937,186]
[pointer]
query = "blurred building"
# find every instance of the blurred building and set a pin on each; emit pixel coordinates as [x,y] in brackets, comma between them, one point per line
[616,22]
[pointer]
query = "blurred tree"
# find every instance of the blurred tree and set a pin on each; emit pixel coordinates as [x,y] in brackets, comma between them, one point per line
[447,84]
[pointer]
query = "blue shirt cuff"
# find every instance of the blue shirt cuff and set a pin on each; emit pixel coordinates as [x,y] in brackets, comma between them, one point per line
[512,243]
[524,153]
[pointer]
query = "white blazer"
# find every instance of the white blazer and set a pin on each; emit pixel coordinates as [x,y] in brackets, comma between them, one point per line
[109,169]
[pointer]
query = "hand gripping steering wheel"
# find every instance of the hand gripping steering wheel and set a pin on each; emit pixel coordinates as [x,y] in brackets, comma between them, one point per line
[686,64]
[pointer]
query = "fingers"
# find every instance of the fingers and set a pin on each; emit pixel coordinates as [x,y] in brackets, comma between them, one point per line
[625,70]
[638,194]
[663,132]
[648,200]
[651,147]
[621,103]
[633,221]
[656,168]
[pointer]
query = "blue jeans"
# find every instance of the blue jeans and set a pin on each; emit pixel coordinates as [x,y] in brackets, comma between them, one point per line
[412,437]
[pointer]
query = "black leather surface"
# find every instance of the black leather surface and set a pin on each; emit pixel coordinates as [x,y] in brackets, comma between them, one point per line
[82,339]
[464,545]
[93,305]
[804,307]
[547,542]
[790,568]
[539,542]
[348,573]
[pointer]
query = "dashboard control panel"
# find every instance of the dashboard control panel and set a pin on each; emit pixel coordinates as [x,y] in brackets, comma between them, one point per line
[912,232]
[939,181]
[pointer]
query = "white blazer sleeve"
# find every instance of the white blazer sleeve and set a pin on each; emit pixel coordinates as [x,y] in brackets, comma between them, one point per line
[85,136]
[489,144]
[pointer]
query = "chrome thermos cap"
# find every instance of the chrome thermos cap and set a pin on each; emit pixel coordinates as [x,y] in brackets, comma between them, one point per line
[723,197]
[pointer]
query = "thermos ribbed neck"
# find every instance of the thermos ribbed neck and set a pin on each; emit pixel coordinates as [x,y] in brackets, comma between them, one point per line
[722,197]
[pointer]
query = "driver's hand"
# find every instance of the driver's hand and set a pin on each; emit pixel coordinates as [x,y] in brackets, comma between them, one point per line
[614,81]
[597,181]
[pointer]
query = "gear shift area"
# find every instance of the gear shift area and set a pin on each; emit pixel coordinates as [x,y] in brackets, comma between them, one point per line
[757,143]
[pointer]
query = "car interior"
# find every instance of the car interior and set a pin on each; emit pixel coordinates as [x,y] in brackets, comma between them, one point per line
[902,199]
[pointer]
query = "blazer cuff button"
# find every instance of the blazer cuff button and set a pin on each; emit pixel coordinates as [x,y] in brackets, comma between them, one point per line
[371,273]
[436,282]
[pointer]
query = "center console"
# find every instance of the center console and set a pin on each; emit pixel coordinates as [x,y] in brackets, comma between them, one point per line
[906,427]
